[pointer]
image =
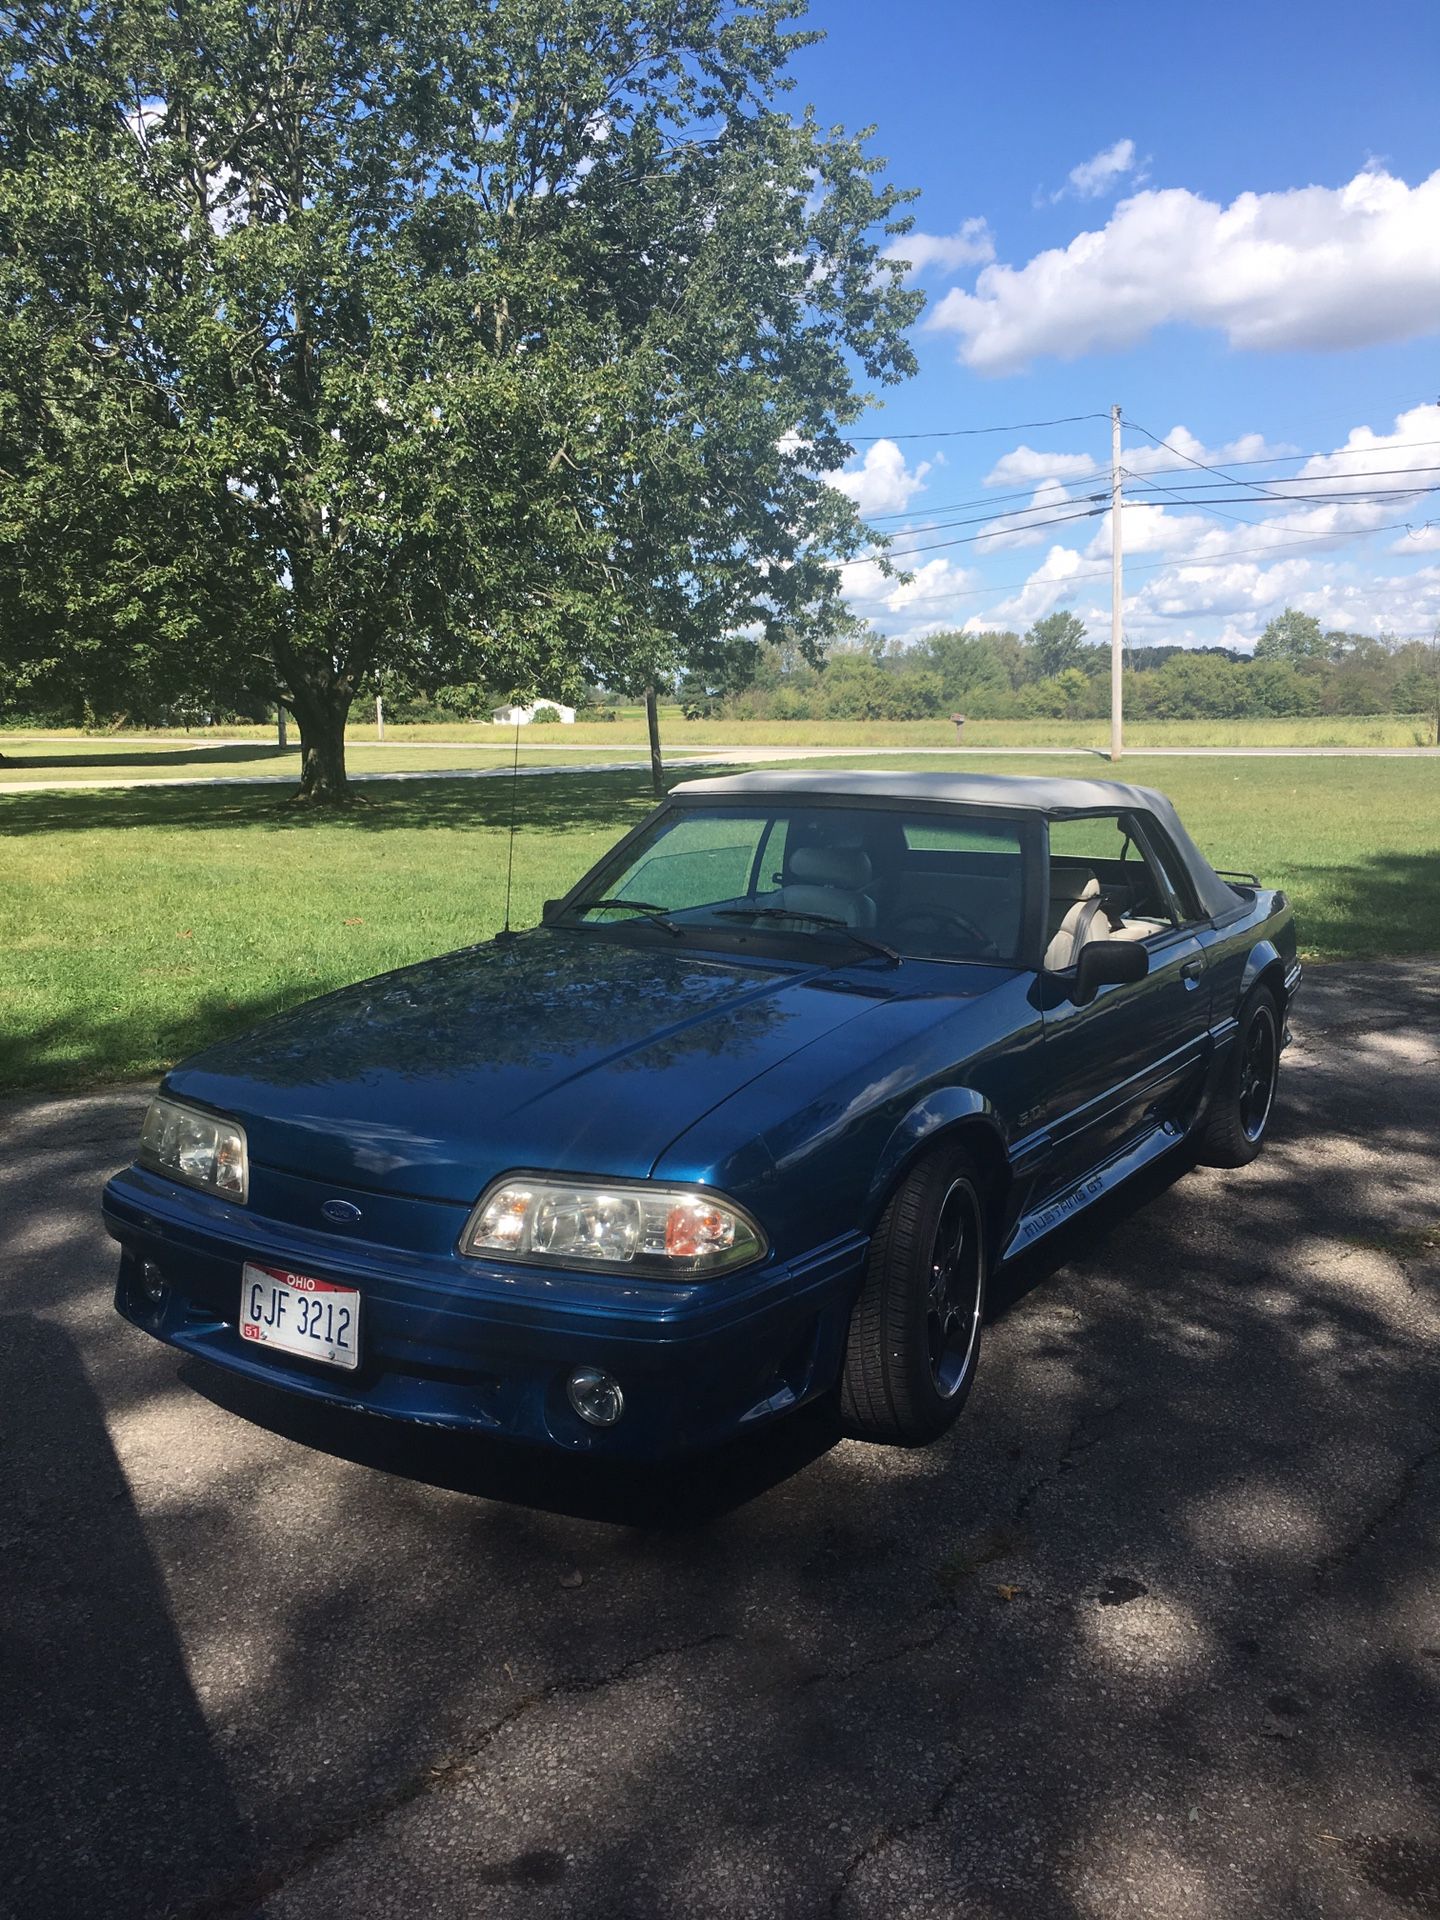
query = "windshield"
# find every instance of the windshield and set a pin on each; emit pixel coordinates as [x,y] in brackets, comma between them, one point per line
[940,884]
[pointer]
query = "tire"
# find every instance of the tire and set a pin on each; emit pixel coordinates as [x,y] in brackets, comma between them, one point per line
[1234,1128]
[915,1333]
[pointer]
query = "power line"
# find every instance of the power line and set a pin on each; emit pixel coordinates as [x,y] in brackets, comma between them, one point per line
[1321,500]
[966,433]
[1204,465]
[1217,560]
[1277,459]
[927,517]
[1335,481]
[1013,519]
[983,500]
[969,539]
[1017,520]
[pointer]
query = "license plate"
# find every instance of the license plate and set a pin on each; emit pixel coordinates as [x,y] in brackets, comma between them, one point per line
[299,1314]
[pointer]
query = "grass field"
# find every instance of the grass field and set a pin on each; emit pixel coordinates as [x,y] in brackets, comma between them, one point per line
[52,755]
[135,925]
[87,762]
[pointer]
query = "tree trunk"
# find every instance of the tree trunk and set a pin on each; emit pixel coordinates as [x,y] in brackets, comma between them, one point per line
[282,730]
[321,714]
[657,766]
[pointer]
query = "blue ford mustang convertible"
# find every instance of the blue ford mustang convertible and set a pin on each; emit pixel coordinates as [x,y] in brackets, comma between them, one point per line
[751,1118]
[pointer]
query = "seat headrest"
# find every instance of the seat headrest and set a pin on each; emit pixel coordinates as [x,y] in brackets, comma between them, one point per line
[847,867]
[1072,883]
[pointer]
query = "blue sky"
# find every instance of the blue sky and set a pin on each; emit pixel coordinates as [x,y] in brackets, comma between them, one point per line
[1227,219]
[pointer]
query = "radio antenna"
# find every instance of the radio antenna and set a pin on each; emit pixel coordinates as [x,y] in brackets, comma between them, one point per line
[505,932]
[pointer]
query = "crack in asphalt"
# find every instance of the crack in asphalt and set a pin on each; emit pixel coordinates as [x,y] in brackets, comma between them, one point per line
[892,1834]
[1083,1437]
[1404,1487]
[241,1901]
[1087,1432]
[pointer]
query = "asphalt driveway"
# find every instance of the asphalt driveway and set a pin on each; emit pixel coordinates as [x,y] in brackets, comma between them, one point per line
[1156,1630]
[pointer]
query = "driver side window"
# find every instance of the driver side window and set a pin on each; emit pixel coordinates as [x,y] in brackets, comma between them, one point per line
[1103,886]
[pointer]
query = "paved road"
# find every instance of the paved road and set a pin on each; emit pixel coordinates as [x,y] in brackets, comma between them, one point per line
[1155,1631]
[721,756]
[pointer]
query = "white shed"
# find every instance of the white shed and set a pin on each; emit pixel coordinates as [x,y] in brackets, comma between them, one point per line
[518,716]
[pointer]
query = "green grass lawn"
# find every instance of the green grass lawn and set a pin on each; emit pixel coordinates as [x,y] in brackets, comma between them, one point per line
[52,755]
[136,925]
[94,762]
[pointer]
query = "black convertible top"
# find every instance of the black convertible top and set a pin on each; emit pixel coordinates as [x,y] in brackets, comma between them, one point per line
[976,792]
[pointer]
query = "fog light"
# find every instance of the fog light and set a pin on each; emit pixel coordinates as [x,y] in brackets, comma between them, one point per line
[595,1395]
[153,1283]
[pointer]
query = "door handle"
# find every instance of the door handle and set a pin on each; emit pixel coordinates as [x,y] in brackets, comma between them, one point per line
[1192,972]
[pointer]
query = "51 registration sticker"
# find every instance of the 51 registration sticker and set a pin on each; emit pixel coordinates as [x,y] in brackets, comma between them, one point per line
[300,1314]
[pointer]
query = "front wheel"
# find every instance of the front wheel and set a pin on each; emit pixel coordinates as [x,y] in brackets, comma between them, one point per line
[1239,1118]
[915,1333]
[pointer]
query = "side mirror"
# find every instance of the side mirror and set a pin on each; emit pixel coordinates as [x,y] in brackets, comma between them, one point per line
[1107,963]
[549,910]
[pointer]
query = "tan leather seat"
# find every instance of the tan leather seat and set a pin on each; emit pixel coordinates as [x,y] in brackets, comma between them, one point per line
[830,880]
[1076,916]
[1135,929]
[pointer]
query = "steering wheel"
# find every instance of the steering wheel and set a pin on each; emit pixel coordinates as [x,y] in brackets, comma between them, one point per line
[925,922]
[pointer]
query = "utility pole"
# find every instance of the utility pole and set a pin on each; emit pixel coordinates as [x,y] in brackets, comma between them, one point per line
[282,732]
[379,716]
[1117,596]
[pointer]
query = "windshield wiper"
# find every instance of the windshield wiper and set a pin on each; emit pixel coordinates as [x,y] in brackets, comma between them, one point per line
[658,916]
[815,919]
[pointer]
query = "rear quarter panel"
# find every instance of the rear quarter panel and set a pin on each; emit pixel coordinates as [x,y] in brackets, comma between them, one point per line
[1257,941]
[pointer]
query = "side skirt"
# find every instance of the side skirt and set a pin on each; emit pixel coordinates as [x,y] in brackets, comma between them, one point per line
[1054,1213]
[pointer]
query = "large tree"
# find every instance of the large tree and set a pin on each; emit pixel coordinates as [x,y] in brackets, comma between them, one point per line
[433,339]
[1057,642]
[1293,635]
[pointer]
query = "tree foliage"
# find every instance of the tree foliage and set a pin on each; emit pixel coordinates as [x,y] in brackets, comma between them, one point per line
[1000,675]
[1057,642]
[430,341]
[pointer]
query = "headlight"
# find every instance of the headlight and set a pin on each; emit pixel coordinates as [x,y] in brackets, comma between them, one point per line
[196,1147]
[644,1229]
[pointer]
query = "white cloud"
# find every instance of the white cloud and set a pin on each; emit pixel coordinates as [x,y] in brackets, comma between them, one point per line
[1099,173]
[1194,577]
[1313,268]
[1379,462]
[1023,466]
[1052,582]
[971,245]
[1020,529]
[938,582]
[1368,463]
[882,483]
[1148,458]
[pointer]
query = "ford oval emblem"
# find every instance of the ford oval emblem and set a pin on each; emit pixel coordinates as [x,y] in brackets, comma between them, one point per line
[340,1211]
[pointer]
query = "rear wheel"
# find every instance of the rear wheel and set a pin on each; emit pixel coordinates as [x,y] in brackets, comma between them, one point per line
[1239,1116]
[915,1332]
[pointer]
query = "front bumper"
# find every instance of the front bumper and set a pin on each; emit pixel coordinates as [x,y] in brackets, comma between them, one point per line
[455,1342]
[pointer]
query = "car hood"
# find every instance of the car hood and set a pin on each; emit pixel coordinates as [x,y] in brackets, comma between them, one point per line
[567,1050]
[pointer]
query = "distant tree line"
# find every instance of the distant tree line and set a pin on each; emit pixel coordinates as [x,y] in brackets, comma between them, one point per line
[1056,671]
[1052,671]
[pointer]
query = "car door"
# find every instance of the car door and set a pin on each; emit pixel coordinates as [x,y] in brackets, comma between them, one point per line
[1133,1059]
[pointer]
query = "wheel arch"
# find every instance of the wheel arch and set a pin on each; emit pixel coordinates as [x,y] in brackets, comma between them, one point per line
[1265,966]
[952,1116]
